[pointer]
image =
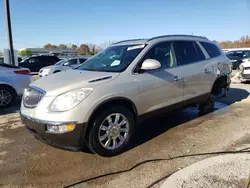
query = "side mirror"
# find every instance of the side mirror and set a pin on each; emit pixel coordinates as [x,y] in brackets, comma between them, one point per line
[66,64]
[150,64]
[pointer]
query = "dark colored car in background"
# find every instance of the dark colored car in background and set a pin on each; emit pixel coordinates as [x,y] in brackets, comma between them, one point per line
[35,63]
[238,56]
[235,60]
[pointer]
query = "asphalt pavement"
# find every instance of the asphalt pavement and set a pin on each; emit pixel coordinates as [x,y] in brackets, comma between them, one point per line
[26,162]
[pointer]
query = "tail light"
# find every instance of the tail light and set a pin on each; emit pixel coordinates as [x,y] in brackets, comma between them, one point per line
[25,72]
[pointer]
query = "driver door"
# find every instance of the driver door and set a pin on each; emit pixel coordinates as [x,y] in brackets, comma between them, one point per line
[160,89]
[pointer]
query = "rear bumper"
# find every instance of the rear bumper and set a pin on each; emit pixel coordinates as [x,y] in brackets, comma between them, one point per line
[72,141]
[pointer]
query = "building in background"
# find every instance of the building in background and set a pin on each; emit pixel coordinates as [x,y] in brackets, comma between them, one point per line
[55,51]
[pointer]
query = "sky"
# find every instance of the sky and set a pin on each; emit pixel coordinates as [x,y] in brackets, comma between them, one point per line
[38,22]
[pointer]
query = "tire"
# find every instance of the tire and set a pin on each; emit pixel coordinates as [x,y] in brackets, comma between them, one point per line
[7,96]
[207,106]
[103,132]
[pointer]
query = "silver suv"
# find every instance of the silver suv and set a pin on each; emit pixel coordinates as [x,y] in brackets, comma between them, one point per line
[100,104]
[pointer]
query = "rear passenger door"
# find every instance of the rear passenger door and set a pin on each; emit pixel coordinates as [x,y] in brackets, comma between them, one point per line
[196,70]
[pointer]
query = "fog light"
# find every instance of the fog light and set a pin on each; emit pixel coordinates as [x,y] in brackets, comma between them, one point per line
[60,128]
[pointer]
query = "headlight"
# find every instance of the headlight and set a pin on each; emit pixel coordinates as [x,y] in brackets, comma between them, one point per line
[46,71]
[224,68]
[245,60]
[69,100]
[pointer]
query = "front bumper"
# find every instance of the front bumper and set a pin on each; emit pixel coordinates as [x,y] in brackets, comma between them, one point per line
[245,76]
[72,141]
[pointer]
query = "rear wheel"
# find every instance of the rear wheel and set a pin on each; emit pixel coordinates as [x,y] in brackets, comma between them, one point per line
[111,131]
[7,96]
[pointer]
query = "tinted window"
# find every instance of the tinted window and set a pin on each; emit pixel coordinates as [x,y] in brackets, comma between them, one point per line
[1,60]
[161,52]
[32,60]
[212,50]
[82,60]
[48,59]
[187,52]
[247,53]
[55,59]
[71,62]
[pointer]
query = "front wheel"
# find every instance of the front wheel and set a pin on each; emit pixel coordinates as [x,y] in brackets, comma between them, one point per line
[111,131]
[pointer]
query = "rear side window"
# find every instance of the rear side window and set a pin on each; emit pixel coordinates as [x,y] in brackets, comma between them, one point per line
[212,50]
[82,60]
[187,52]
[49,59]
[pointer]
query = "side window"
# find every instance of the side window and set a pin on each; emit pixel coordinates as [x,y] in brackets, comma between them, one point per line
[163,53]
[33,60]
[212,50]
[72,62]
[187,52]
[82,60]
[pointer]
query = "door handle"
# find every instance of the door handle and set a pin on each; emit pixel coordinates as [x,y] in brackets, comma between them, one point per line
[177,78]
[207,71]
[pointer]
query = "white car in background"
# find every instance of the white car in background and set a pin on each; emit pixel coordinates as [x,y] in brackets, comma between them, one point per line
[62,65]
[13,81]
[245,71]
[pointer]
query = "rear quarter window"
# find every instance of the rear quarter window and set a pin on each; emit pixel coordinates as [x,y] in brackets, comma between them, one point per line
[212,50]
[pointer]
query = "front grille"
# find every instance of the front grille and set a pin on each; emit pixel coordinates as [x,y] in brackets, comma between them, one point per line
[32,97]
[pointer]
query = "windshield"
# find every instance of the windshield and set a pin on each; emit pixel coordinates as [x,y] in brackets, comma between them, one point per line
[24,59]
[112,59]
[239,54]
[61,62]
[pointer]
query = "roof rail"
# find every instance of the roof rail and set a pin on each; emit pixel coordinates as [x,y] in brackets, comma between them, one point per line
[128,40]
[178,36]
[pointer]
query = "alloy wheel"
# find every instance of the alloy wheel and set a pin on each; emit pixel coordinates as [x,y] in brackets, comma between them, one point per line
[113,131]
[5,98]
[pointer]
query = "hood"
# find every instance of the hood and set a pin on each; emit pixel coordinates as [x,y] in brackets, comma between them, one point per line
[246,64]
[72,79]
[50,67]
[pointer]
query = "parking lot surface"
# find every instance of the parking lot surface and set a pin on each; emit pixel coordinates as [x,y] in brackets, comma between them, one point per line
[26,162]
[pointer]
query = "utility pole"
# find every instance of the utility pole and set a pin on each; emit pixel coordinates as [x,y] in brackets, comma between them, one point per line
[7,9]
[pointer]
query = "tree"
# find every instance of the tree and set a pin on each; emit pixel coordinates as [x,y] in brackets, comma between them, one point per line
[92,49]
[244,41]
[25,52]
[84,49]
[74,47]
[62,46]
[49,46]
